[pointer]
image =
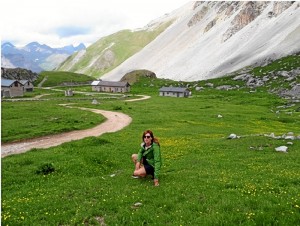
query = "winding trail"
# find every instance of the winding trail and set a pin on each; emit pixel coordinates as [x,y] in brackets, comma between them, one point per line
[115,121]
[143,97]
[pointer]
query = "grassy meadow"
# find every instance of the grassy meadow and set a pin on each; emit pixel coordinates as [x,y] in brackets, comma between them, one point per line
[27,119]
[206,179]
[55,78]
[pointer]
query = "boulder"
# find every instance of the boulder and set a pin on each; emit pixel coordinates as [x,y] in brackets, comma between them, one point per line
[282,149]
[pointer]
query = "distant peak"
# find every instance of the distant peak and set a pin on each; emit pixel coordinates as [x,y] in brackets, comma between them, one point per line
[33,44]
[81,46]
[7,44]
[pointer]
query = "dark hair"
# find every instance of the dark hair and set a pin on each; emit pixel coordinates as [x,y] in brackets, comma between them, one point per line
[154,140]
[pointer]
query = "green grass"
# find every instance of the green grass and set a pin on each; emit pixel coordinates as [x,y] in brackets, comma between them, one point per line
[30,119]
[284,64]
[206,179]
[56,78]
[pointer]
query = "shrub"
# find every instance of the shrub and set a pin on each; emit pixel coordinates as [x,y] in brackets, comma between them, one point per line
[117,108]
[45,169]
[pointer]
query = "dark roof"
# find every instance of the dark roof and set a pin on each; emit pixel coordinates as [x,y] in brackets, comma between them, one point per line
[114,84]
[173,89]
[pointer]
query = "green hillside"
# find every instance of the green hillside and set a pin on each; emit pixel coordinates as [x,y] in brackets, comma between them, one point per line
[110,51]
[57,78]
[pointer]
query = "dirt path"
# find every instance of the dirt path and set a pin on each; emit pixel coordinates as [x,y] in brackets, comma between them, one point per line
[115,121]
[143,97]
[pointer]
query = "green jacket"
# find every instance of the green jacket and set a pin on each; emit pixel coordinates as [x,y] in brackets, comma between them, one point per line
[153,157]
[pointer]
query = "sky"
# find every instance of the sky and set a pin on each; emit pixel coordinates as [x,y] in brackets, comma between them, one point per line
[58,23]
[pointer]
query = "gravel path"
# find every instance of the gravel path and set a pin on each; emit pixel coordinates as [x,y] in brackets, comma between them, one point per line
[115,121]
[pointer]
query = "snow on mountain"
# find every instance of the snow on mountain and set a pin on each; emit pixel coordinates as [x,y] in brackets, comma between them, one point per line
[211,39]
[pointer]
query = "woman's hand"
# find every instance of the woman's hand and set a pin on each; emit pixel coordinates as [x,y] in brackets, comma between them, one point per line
[156,182]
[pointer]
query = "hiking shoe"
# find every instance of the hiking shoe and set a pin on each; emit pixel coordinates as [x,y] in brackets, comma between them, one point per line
[135,177]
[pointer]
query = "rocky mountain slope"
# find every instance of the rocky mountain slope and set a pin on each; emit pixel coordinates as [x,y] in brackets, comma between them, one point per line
[206,40]
[18,74]
[110,51]
[211,39]
[34,56]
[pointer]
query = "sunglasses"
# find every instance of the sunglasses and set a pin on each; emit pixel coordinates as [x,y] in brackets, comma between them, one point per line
[147,137]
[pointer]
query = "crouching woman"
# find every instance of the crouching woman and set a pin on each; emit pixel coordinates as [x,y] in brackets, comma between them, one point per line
[148,159]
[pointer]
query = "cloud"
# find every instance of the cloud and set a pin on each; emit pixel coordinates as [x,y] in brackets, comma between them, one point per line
[65,22]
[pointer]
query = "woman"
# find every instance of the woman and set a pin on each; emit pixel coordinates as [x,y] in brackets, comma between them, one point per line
[148,159]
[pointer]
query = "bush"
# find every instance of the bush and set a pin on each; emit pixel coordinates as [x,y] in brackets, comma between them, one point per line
[117,108]
[45,169]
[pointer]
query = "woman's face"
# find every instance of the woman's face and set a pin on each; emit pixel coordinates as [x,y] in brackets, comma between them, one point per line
[147,139]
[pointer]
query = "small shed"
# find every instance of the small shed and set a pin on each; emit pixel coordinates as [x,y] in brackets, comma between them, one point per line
[69,93]
[111,87]
[11,88]
[28,86]
[174,92]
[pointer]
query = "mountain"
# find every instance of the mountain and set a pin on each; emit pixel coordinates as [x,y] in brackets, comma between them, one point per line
[70,49]
[18,74]
[34,56]
[110,51]
[207,39]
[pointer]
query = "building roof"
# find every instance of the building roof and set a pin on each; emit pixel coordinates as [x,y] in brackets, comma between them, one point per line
[173,89]
[94,83]
[113,84]
[6,82]
[23,82]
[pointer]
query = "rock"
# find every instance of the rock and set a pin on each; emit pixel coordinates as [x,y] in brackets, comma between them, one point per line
[19,74]
[272,135]
[282,149]
[199,88]
[209,84]
[242,77]
[233,136]
[210,25]
[224,87]
[94,101]
[198,16]
[136,205]
[289,138]
[254,82]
